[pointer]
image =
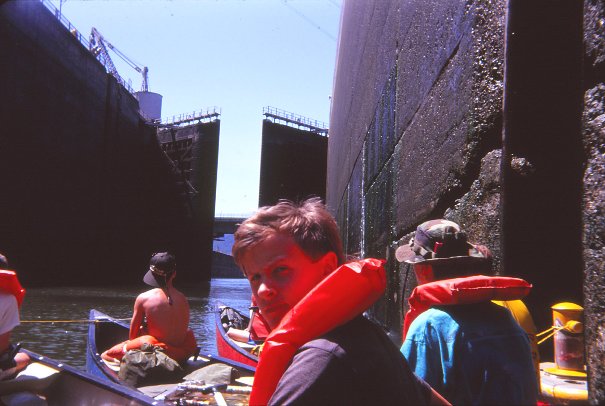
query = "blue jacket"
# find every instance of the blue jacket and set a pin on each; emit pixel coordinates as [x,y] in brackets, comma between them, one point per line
[472,354]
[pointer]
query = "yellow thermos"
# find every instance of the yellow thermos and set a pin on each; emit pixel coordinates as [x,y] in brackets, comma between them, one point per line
[569,336]
[564,381]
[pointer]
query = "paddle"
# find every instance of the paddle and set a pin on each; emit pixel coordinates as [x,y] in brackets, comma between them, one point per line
[220,400]
[206,389]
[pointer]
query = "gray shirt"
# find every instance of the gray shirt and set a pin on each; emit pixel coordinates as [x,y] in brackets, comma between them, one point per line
[354,364]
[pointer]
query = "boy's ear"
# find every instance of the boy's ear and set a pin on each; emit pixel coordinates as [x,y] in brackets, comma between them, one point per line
[330,262]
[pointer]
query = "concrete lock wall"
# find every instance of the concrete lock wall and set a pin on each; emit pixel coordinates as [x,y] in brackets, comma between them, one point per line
[194,150]
[83,180]
[416,106]
[593,236]
[293,164]
[472,111]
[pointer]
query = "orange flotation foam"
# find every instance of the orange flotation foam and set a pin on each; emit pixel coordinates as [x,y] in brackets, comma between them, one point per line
[178,353]
[466,290]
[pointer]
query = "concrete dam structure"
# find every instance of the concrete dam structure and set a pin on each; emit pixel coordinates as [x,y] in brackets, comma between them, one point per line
[294,153]
[88,193]
[192,148]
[490,114]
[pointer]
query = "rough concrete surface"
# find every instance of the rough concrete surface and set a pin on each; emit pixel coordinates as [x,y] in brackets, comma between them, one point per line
[478,211]
[363,66]
[594,197]
[451,117]
[417,105]
[594,240]
[424,124]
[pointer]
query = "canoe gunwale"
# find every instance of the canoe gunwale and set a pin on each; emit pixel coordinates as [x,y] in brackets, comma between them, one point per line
[69,382]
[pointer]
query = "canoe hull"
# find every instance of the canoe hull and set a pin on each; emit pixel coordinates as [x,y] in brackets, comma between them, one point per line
[106,331]
[103,333]
[226,347]
[65,385]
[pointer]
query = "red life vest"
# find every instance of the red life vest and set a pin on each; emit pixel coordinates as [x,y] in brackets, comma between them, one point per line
[467,290]
[259,329]
[10,284]
[341,296]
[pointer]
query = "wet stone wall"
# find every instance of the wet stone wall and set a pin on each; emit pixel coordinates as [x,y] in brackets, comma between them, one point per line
[594,196]
[432,118]
[423,82]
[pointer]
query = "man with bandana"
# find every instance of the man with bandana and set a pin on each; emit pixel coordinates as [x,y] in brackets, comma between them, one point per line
[160,316]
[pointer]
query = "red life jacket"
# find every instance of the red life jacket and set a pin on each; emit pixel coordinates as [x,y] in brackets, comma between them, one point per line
[10,284]
[341,296]
[467,290]
[259,329]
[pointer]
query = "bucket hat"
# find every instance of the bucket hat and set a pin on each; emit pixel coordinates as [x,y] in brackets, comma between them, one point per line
[438,241]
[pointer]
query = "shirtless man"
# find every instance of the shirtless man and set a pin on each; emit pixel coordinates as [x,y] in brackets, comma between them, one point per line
[165,311]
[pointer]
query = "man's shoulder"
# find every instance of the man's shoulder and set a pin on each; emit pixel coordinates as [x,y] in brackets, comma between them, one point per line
[7,300]
[351,329]
[435,323]
[151,293]
[360,353]
[341,336]
[356,340]
[6,296]
[434,316]
[175,292]
[452,320]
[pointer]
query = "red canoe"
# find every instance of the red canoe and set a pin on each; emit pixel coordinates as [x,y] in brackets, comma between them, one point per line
[225,317]
[226,347]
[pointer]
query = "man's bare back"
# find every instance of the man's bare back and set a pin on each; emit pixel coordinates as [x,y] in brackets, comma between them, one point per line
[165,321]
[166,311]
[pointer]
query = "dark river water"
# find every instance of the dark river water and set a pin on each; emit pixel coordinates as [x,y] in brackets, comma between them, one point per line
[65,339]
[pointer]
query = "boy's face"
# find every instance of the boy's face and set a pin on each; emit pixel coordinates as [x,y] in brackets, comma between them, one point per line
[281,274]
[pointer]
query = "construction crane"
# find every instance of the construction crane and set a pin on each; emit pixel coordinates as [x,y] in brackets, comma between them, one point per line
[98,47]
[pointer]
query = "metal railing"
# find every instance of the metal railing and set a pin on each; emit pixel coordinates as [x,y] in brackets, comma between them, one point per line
[83,39]
[292,119]
[203,115]
[208,114]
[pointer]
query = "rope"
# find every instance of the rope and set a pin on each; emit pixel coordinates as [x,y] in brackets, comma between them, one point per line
[553,330]
[545,331]
[70,321]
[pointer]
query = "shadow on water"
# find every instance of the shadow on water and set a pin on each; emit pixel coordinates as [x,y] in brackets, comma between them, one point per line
[65,339]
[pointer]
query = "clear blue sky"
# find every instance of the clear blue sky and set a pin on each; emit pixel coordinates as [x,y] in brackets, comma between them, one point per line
[238,55]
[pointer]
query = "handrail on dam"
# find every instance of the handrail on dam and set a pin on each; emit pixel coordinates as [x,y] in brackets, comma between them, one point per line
[292,119]
[66,23]
[204,115]
[78,35]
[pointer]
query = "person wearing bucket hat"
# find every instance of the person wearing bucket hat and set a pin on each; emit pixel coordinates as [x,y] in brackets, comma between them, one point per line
[160,316]
[466,347]
[441,250]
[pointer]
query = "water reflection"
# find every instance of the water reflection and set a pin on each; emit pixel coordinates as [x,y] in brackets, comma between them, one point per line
[66,341]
